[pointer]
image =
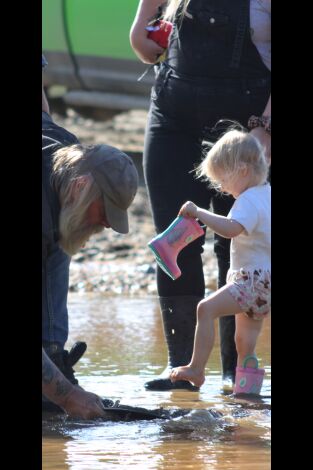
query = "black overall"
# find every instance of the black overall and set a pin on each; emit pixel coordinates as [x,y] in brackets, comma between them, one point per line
[213,72]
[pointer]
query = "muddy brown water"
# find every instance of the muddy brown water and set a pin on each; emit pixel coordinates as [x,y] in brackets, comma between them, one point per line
[126,348]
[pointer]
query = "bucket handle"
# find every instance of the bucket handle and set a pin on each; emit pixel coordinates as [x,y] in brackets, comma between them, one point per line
[248,358]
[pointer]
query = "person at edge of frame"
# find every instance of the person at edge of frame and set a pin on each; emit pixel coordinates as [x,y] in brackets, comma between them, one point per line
[85,189]
[217,68]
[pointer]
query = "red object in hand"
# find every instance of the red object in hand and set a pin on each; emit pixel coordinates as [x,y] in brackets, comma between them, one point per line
[160,32]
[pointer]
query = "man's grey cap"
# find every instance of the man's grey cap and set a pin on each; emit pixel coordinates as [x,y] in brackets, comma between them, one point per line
[117,178]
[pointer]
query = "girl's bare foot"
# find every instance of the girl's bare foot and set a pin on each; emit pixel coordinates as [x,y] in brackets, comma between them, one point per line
[187,373]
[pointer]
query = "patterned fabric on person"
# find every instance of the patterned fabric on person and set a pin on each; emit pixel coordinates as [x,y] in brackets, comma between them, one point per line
[252,291]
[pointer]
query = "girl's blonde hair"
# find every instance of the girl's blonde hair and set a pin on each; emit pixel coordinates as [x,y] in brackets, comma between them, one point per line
[231,153]
[172,7]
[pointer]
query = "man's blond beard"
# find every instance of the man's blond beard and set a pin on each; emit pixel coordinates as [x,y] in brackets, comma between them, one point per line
[73,233]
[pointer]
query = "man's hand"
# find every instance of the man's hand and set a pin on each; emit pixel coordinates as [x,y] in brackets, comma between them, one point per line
[265,139]
[81,404]
[189,209]
[74,400]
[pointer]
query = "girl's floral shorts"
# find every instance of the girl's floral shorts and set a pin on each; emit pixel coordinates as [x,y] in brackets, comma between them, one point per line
[252,291]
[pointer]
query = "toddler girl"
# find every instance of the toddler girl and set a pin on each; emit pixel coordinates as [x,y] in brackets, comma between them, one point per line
[236,164]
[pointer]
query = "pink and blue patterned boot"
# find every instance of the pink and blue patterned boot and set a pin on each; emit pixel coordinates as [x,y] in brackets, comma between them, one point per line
[167,245]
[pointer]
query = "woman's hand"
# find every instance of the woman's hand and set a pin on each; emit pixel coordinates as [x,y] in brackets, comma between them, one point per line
[147,50]
[265,139]
[189,209]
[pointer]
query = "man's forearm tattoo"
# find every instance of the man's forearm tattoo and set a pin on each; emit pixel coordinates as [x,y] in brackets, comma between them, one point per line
[47,369]
[62,387]
[51,375]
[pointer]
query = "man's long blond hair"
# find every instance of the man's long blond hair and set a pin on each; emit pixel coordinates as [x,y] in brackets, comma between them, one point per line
[172,8]
[66,169]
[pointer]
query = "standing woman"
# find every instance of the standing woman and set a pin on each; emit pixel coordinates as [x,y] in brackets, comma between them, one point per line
[217,67]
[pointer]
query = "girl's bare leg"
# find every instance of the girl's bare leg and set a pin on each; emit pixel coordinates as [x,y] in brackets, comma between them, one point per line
[247,333]
[219,304]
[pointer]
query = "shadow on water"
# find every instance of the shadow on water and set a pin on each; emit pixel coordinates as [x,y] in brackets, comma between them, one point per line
[125,349]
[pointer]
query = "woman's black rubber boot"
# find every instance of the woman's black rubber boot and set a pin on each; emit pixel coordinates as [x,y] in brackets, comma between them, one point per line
[179,315]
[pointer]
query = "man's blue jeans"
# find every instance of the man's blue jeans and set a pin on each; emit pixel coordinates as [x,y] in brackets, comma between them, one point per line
[55,284]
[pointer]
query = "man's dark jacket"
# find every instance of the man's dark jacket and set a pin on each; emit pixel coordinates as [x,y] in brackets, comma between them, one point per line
[53,138]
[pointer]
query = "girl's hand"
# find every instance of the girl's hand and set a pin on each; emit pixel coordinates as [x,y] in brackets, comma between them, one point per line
[189,209]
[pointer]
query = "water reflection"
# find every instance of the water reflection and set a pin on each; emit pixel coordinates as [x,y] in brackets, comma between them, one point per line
[125,348]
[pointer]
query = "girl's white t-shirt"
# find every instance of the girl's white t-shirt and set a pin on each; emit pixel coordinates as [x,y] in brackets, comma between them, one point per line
[252,248]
